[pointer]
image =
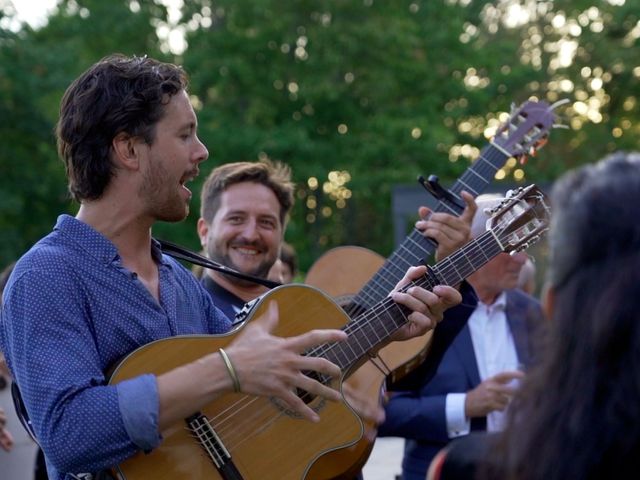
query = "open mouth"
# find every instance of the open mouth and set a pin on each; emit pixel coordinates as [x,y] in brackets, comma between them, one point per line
[188,177]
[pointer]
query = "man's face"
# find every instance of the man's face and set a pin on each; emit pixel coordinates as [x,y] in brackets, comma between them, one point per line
[171,160]
[502,272]
[246,232]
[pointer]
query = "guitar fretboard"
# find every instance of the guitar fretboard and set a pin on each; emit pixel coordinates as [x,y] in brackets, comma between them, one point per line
[417,249]
[375,327]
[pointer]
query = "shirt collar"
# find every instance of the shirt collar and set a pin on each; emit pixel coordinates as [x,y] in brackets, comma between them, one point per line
[156,253]
[87,238]
[499,304]
[95,243]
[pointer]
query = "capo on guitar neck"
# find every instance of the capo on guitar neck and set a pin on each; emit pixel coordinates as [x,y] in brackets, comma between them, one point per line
[432,185]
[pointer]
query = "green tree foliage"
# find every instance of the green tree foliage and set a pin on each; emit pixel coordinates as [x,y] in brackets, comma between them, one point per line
[355,95]
[581,50]
[36,66]
[368,88]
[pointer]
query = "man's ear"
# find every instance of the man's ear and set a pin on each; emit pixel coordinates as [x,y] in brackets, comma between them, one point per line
[125,148]
[203,230]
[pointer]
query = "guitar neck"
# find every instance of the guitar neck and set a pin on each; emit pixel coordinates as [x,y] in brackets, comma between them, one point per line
[374,328]
[416,249]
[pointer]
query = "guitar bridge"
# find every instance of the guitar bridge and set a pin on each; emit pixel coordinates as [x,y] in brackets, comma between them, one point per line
[209,440]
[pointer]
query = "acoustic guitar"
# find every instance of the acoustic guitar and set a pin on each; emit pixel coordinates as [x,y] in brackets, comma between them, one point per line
[240,436]
[358,278]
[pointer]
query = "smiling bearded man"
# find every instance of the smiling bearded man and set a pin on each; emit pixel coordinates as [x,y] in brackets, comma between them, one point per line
[243,217]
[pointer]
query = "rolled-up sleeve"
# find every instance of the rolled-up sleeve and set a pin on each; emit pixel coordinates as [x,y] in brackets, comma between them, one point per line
[139,406]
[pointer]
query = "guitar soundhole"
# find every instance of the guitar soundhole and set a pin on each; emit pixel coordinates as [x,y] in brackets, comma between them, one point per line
[305,396]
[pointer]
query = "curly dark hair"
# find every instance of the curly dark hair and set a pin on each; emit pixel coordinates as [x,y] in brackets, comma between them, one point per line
[117,94]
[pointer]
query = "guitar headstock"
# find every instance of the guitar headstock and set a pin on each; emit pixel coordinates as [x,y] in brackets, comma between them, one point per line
[520,219]
[526,130]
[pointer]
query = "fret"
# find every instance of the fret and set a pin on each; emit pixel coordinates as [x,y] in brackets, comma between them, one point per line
[417,242]
[409,253]
[375,335]
[386,330]
[483,254]
[389,275]
[400,317]
[452,264]
[398,267]
[393,314]
[446,206]
[499,154]
[400,263]
[487,162]
[497,239]
[507,154]
[467,187]
[473,171]
[450,209]
[334,352]
[363,331]
[467,257]
[358,346]
[378,288]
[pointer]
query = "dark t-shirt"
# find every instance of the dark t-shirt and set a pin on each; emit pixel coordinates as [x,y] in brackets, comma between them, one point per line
[226,301]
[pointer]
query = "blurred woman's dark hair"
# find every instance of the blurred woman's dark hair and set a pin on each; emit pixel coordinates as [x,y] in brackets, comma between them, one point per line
[577,415]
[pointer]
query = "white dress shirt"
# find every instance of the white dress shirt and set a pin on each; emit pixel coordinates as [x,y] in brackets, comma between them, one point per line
[495,352]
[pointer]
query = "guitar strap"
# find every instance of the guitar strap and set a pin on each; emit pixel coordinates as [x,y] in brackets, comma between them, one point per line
[181,253]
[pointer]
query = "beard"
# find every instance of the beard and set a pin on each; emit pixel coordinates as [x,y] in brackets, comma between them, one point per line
[161,199]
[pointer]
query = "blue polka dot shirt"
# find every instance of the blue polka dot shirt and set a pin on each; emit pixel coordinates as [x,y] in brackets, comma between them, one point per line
[71,311]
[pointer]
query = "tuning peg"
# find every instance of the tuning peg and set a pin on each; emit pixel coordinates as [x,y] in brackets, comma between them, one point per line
[512,193]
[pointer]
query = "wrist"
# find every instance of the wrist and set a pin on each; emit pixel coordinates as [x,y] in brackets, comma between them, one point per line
[233,374]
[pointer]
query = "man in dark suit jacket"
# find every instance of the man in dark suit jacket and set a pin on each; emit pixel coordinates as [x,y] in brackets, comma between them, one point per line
[472,385]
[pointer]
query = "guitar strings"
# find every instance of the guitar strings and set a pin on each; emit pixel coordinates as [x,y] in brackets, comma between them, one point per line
[445,268]
[263,416]
[224,420]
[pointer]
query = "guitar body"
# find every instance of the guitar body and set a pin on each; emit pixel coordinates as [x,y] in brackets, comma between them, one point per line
[341,272]
[399,358]
[264,440]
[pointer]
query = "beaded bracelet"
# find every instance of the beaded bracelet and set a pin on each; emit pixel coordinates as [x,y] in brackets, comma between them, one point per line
[231,370]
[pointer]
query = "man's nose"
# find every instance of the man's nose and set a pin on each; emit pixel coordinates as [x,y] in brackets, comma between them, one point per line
[250,230]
